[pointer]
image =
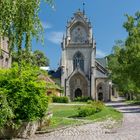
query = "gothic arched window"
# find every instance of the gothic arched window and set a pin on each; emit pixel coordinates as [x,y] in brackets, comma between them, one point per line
[78,61]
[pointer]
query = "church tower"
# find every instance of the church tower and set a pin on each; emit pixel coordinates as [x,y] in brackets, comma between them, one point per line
[78,58]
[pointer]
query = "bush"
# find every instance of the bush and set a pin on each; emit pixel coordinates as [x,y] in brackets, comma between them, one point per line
[89,101]
[25,94]
[57,99]
[90,109]
[87,110]
[98,105]
[82,99]
[6,113]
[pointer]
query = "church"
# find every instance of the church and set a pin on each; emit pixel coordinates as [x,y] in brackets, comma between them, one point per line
[82,74]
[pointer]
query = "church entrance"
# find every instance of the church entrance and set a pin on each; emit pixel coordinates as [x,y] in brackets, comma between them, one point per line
[78,93]
[78,86]
[100,96]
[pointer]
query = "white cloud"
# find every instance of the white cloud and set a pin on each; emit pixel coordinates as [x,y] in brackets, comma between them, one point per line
[100,53]
[46,25]
[55,37]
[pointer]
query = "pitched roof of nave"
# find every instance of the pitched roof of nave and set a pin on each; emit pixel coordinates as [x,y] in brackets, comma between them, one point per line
[102,61]
[102,65]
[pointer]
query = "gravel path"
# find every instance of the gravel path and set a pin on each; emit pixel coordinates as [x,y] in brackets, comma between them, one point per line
[130,129]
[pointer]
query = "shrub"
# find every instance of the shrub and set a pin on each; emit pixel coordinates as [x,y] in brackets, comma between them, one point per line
[90,109]
[82,99]
[25,94]
[98,105]
[87,110]
[89,101]
[5,110]
[57,99]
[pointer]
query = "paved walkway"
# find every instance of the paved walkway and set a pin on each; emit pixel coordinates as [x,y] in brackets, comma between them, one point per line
[130,129]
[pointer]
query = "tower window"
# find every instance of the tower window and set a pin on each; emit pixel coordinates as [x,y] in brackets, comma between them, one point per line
[78,61]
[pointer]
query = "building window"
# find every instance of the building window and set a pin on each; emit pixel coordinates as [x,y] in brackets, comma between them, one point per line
[78,61]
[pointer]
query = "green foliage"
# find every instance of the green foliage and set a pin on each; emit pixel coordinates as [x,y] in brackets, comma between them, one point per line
[105,113]
[6,113]
[37,58]
[64,115]
[24,96]
[89,101]
[86,110]
[125,58]
[98,105]
[90,109]
[82,99]
[19,21]
[57,99]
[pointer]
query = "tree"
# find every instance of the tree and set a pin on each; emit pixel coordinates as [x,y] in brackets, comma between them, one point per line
[132,43]
[124,60]
[19,21]
[39,59]
[118,67]
[22,98]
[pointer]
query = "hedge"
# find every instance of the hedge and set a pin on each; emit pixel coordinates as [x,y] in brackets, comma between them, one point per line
[57,99]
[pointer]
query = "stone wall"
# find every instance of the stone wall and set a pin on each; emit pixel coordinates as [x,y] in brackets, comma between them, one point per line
[102,86]
[5,59]
[26,130]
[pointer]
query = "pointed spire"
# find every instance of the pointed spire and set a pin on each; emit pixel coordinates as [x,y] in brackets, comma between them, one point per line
[83,8]
[63,36]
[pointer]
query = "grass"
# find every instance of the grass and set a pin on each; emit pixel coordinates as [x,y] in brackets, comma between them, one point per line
[77,103]
[61,114]
[65,115]
[63,110]
[107,112]
[135,102]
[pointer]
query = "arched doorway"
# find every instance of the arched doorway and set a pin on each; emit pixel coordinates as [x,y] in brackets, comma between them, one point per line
[78,93]
[78,86]
[100,91]
[100,96]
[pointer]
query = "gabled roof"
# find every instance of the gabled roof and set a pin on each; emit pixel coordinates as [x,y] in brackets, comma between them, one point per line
[77,71]
[101,65]
[102,62]
[79,17]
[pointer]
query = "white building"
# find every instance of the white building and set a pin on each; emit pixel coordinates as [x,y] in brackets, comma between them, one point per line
[81,73]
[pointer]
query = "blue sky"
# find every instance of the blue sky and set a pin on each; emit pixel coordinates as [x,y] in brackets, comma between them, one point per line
[106,16]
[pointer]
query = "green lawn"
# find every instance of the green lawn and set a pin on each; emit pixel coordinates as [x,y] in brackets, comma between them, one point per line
[65,115]
[135,102]
[77,103]
[107,112]
[63,110]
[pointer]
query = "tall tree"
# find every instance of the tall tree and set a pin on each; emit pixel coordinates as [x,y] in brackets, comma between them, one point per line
[19,21]
[132,43]
[40,59]
[125,59]
[37,57]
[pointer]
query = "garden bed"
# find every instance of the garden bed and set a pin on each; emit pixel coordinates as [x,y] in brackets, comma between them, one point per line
[67,115]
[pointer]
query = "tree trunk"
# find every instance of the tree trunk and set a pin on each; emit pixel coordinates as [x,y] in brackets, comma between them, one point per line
[19,52]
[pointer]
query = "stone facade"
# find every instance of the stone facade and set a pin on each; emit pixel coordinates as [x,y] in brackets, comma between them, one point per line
[5,59]
[81,73]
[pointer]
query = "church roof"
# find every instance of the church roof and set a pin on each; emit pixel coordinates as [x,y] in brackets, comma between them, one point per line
[102,62]
[55,74]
